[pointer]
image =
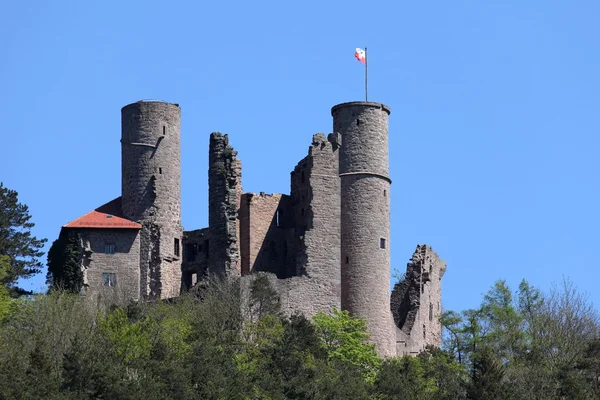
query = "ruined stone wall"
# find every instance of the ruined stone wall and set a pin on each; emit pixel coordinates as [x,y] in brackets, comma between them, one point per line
[416,303]
[365,217]
[195,256]
[225,188]
[124,263]
[264,233]
[151,191]
[315,194]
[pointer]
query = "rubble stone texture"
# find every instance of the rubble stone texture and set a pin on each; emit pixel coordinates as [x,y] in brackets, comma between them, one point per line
[225,187]
[325,245]
[365,216]
[151,192]
[416,302]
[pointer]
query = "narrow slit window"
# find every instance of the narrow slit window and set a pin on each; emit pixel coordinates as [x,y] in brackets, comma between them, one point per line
[277,219]
[430,312]
[160,171]
[347,260]
[384,193]
[382,243]
[176,247]
[357,122]
[164,130]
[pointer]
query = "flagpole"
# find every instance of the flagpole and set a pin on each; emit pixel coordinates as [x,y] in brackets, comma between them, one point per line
[366,76]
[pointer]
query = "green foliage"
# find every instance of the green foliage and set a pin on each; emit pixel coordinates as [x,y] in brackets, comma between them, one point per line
[5,299]
[64,263]
[539,345]
[203,346]
[433,374]
[131,339]
[345,339]
[16,241]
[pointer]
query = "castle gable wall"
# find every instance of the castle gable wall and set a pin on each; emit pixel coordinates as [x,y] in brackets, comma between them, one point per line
[122,261]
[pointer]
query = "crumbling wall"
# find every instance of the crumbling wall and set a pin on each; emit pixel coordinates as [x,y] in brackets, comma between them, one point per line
[265,231]
[195,256]
[315,195]
[224,192]
[416,302]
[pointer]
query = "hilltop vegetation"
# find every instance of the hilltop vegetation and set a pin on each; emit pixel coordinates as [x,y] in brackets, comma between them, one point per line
[211,344]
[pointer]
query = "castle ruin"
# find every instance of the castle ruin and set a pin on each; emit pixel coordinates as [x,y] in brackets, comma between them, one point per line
[325,244]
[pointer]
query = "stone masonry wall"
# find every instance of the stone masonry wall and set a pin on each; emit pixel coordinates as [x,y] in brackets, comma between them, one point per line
[365,217]
[151,191]
[195,256]
[416,303]
[264,233]
[124,263]
[316,190]
[225,188]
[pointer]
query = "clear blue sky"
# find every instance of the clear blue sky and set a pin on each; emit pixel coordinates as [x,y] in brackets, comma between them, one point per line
[493,132]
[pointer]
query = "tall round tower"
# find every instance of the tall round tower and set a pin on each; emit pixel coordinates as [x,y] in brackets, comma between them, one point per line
[151,191]
[365,217]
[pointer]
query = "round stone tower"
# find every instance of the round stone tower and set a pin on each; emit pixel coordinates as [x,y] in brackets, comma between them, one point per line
[151,191]
[365,217]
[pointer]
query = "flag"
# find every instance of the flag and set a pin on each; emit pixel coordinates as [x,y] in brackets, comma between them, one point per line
[360,55]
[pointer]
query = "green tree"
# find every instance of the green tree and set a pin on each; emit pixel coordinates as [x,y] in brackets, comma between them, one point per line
[17,242]
[487,374]
[345,339]
[64,263]
[5,299]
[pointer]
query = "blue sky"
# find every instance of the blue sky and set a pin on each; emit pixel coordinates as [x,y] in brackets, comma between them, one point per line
[493,132]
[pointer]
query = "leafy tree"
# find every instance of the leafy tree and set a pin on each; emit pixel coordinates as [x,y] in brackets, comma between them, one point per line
[501,321]
[64,263]
[16,241]
[5,299]
[345,339]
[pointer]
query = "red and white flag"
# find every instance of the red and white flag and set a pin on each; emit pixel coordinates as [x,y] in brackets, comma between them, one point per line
[360,55]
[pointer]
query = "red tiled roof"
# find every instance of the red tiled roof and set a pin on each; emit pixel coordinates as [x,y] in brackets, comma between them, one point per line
[108,216]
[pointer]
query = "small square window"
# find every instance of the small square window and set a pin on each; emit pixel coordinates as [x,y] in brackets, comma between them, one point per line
[109,279]
[382,243]
[109,249]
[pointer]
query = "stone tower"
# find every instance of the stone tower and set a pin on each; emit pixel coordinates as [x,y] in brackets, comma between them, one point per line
[365,217]
[151,191]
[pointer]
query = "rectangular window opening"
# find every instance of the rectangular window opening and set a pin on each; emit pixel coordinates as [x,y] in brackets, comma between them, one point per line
[109,249]
[430,312]
[160,170]
[384,192]
[109,279]
[176,247]
[347,260]
[382,243]
[164,130]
